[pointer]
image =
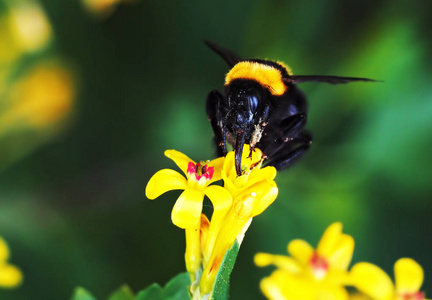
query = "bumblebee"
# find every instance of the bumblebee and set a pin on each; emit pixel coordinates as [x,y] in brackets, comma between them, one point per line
[263,107]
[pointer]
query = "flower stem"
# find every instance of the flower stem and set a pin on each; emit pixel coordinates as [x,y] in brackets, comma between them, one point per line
[193,251]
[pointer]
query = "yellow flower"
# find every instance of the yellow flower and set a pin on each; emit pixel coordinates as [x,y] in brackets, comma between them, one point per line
[310,273]
[29,26]
[255,189]
[234,205]
[375,283]
[252,193]
[187,210]
[10,276]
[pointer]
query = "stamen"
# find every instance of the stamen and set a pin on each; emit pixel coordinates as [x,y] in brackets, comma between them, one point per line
[412,296]
[191,169]
[319,266]
[199,171]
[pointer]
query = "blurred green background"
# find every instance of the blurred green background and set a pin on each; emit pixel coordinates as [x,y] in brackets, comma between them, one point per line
[72,203]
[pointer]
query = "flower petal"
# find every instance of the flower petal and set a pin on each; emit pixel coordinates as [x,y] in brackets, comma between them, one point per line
[219,196]
[229,167]
[331,292]
[187,210]
[193,255]
[163,181]
[222,201]
[283,262]
[372,281]
[218,165]
[358,296]
[266,193]
[329,239]
[267,173]
[342,253]
[250,160]
[204,230]
[228,184]
[10,276]
[301,251]
[180,159]
[229,163]
[272,287]
[256,198]
[282,285]
[408,276]
[4,251]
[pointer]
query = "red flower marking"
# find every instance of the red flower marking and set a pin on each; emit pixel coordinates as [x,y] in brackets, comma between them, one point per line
[200,171]
[319,265]
[413,296]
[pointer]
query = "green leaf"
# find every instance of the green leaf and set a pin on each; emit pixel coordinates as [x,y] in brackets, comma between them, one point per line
[220,290]
[82,294]
[176,289]
[153,292]
[123,293]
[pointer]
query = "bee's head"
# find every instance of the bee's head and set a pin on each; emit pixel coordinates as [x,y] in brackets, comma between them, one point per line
[248,107]
[247,102]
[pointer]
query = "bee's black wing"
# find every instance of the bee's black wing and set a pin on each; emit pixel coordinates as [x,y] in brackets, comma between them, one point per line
[320,78]
[230,57]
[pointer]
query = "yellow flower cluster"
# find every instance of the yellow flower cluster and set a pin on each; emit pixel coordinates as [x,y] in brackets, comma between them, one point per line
[10,276]
[41,93]
[234,205]
[322,273]
[23,29]
[37,88]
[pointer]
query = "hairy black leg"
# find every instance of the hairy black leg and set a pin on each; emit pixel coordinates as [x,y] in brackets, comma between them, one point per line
[293,125]
[291,151]
[216,111]
[287,130]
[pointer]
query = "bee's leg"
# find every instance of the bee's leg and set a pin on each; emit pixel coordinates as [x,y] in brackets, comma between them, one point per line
[286,132]
[216,112]
[291,151]
[259,129]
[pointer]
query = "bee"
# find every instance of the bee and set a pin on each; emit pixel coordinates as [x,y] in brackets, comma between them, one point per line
[263,107]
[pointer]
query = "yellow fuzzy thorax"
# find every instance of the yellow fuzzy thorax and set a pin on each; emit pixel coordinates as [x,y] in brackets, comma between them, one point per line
[268,76]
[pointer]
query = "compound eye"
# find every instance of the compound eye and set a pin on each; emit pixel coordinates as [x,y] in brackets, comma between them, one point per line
[253,103]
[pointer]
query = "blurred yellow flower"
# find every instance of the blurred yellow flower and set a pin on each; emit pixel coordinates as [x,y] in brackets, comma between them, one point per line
[24,28]
[309,273]
[103,7]
[375,283]
[10,276]
[29,26]
[9,50]
[37,92]
[41,98]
